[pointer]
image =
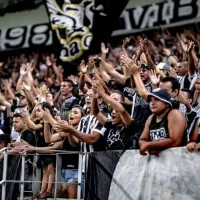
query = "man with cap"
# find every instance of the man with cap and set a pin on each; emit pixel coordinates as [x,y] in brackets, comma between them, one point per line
[165,128]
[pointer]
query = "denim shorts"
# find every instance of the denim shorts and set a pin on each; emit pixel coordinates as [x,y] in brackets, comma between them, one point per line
[69,175]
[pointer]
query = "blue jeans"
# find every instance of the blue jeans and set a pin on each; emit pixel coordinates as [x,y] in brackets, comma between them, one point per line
[69,175]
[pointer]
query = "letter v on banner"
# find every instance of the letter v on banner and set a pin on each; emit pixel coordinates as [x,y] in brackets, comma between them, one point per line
[166,14]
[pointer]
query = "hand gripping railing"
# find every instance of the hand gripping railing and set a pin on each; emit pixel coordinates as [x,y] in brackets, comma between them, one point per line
[57,153]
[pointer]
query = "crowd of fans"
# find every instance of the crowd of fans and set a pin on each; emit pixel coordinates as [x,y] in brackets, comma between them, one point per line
[143,95]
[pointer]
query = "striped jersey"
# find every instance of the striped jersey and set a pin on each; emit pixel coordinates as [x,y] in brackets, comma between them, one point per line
[87,125]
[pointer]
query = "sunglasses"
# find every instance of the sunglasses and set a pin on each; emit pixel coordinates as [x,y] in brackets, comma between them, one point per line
[143,70]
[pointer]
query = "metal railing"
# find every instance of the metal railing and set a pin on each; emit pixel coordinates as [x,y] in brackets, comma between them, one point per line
[37,178]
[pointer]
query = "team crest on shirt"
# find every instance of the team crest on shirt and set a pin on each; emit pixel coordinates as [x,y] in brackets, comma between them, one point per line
[158,134]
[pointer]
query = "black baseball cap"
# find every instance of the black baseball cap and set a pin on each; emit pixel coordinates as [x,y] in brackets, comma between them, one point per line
[144,66]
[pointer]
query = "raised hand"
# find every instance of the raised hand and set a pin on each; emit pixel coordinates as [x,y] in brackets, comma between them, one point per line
[63,126]
[82,67]
[144,45]
[23,70]
[46,115]
[24,113]
[29,67]
[172,72]
[98,87]
[155,80]
[97,77]
[124,45]
[166,52]
[125,42]
[190,46]
[48,61]
[44,91]
[183,46]
[129,63]
[91,63]
[104,50]
[187,48]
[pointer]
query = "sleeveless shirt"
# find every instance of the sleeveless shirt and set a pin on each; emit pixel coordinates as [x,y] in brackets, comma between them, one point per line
[159,130]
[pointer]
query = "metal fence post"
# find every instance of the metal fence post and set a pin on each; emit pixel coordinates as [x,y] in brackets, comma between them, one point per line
[80,166]
[58,175]
[22,179]
[5,162]
[36,176]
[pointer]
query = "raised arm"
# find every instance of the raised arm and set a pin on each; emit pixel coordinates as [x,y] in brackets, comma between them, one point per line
[95,108]
[82,72]
[7,85]
[4,102]
[111,70]
[143,46]
[134,70]
[22,74]
[29,96]
[47,134]
[126,118]
[191,57]
[29,122]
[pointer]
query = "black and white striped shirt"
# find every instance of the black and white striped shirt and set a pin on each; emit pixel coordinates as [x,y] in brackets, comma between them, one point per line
[87,125]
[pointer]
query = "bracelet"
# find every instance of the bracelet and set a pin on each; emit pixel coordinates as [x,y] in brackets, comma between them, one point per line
[81,74]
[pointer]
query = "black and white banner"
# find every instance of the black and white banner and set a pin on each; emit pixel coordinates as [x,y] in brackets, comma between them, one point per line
[168,14]
[25,37]
[71,22]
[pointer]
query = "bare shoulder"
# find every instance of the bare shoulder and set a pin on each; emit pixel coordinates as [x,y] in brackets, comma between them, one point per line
[175,114]
[149,119]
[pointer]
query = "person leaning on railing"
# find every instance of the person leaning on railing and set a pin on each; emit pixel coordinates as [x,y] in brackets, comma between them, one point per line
[165,128]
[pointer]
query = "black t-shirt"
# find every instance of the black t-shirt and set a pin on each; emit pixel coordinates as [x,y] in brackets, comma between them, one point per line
[29,137]
[128,91]
[40,135]
[120,137]
[141,110]
[70,159]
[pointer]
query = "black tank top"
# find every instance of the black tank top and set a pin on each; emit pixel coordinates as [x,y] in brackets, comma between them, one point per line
[70,159]
[159,131]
